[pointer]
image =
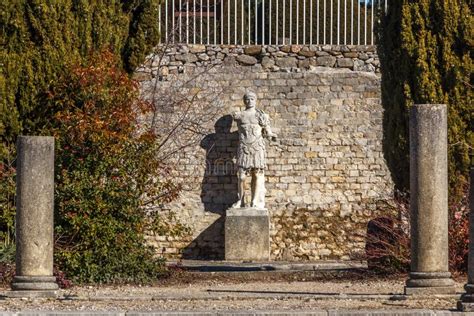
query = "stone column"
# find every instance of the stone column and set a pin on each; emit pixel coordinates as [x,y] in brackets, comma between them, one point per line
[429,201]
[34,215]
[467,302]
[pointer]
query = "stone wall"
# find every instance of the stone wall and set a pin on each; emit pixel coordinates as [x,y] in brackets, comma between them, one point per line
[326,174]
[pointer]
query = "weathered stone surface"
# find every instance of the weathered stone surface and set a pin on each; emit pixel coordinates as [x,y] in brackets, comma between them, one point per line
[267,62]
[345,62]
[305,51]
[326,169]
[326,61]
[187,58]
[429,201]
[34,216]
[286,62]
[350,54]
[247,234]
[246,60]
[253,50]
[197,48]
[285,48]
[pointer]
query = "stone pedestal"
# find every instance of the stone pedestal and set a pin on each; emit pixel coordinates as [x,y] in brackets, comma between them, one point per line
[247,234]
[34,215]
[429,201]
[467,301]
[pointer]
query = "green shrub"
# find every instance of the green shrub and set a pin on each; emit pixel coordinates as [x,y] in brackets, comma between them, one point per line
[107,175]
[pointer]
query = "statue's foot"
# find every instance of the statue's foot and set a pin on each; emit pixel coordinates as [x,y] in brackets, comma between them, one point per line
[237,204]
[258,205]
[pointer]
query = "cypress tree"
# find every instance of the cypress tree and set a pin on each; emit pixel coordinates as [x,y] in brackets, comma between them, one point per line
[425,49]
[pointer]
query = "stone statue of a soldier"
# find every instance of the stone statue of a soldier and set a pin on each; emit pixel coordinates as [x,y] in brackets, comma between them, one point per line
[254,127]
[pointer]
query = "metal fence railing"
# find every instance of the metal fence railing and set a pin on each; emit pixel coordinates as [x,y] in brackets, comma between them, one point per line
[270,22]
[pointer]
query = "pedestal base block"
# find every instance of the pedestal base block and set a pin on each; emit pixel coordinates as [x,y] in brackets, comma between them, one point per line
[425,283]
[34,283]
[247,234]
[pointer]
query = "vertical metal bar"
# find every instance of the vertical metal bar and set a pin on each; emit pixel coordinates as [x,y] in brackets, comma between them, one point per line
[270,23]
[331,24]
[345,22]
[250,22]
[352,22]
[235,22]
[215,22]
[256,22]
[200,22]
[222,22]
[317,22]
[291,22]
[365,22]
[180,22]
[338,19]
[324,22]
[208,22]
[228,21]
[311,22]
[372,24]
[385,6]
[304,22]
[263,22]
[276,22]
[166,22]
[297,21]
[172,22]
[159,22]
[284,21]
[194,21]
[242,23]
[187,21]
[358,22]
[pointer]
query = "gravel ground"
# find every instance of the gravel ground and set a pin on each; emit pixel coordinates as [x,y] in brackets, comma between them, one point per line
[239,291]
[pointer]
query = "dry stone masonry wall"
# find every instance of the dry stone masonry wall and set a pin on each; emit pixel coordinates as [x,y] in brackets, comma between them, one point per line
[326,175]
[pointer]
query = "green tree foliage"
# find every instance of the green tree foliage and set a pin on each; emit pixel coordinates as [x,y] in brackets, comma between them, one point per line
[39,40]
[108,175]
[426,49]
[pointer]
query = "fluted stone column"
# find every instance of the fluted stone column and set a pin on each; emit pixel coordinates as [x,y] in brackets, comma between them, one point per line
[34,215]
[467,302]
[429,201]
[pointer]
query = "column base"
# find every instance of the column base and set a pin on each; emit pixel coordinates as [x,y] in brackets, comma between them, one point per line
[426,283]
[34,283]
[466,304]
[247,234]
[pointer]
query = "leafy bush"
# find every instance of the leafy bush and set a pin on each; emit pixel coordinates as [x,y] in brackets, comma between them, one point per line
[39,40]
[388,236]
[459,232]
[107,175]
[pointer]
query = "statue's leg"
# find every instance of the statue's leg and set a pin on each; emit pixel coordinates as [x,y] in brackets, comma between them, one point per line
[258,188]
[241,176]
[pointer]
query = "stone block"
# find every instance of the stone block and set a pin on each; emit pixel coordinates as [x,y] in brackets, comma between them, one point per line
[286,62]
[253,50]
[246,60]
[247,234]
[326,61]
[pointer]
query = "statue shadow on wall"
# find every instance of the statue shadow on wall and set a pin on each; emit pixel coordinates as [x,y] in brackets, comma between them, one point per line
[218,189]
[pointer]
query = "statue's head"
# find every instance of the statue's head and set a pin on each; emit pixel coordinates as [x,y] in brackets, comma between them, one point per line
[250,99]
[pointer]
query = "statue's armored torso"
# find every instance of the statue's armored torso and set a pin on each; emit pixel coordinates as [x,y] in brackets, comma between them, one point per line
[251,151]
